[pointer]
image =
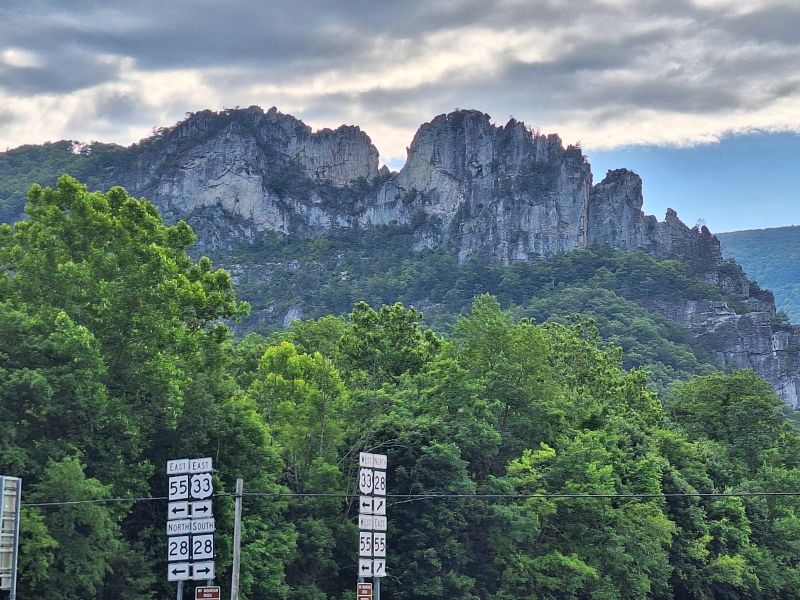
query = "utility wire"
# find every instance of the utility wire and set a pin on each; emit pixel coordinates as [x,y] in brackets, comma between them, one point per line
[402,498]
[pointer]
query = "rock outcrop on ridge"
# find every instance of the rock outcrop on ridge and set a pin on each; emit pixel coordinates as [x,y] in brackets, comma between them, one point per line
[505,192]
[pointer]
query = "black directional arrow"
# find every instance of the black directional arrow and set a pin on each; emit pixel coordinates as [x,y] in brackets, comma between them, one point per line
[364,504]
[202,510]
[380,506]
[380,567]
[364,567]
[204,570]
[176,571]
[176,510]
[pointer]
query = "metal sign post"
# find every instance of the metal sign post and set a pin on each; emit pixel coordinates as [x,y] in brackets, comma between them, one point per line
[190,521]
[372,521]
[10,504]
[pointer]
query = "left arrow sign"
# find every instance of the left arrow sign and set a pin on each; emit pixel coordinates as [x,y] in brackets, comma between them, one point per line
[178,572]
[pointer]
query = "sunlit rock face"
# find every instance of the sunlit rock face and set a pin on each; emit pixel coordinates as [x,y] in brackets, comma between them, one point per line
[502,191]
[505,192]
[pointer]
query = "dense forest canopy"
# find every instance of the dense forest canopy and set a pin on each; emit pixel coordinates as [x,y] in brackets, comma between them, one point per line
[116,356]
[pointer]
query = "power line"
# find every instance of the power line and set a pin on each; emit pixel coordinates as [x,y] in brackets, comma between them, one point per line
[402,498]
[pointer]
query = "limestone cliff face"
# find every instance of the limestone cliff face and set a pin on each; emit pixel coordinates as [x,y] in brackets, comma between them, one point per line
[500,191]
[504,192]
[747,334]
[254,165]
[616,219]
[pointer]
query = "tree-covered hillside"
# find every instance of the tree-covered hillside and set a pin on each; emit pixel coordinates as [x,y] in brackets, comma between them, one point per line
[771,257]
[524,460]
[291,277]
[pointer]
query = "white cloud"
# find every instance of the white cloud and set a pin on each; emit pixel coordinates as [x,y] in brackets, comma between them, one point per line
[609,73]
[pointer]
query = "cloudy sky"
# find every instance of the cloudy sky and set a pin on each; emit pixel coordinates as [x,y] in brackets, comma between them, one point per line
[701,97]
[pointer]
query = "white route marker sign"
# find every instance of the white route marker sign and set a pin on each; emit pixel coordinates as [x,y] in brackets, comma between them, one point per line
[179,487]
[372,519]
[178,548]
[201,486]
[379,545]
[379,482]
[202,547]
[365,480]
[190,520]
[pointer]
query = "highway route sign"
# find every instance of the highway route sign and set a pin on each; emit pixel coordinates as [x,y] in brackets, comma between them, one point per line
[179,527]
[379,544]
[372,520]
[365,521]
[189,465]
[365,544]
[379,482]
[190,520]
[203,525]
[10,504]
[178,572]
[202,546]
[179,487]
[203,570]
[365,480]
[178,548]
[201,486]
[365,505]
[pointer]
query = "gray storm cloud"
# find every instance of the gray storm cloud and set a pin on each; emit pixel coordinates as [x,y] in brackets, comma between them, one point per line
[609,73]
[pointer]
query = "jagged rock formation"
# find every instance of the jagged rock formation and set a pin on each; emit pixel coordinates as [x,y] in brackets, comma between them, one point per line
[504,192]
